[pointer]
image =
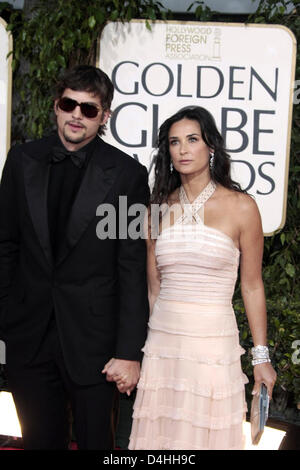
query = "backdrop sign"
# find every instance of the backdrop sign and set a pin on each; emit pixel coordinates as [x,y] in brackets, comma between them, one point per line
[5,111]
[5,92]
[243,74]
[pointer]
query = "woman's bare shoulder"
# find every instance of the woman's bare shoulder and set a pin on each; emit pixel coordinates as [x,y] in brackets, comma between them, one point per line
[239,201]
[247,211]
[242,207]
[246,203]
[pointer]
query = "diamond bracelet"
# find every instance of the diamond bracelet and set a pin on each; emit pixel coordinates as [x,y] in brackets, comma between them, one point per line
[260,355]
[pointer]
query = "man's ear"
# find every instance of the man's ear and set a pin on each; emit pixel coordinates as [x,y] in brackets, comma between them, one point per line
[105,117]
[55,107]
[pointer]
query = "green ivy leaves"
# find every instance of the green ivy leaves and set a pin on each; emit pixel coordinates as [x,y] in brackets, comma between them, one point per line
[92,22]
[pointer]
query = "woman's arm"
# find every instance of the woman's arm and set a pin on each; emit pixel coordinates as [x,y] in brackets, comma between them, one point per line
[251,247]
[153,275]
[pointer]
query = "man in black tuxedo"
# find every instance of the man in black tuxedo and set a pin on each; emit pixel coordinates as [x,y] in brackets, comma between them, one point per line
[73,305]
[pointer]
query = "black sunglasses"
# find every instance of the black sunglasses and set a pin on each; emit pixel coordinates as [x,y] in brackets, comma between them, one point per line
[68,105]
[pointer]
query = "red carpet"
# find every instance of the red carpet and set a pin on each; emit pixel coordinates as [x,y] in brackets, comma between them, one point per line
[10,443]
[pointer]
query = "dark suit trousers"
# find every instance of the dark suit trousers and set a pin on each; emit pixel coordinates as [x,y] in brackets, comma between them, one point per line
[44,396]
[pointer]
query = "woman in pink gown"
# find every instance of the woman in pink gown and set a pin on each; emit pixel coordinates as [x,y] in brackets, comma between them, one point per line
[191,390]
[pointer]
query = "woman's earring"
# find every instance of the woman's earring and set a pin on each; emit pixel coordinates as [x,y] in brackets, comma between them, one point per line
[171,167]
[211,160]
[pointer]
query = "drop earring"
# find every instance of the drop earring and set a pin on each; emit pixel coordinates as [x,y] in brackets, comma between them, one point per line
[171,167]
[211,160]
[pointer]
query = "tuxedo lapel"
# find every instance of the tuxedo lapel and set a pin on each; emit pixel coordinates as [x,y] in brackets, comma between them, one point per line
[36,178]
[97,181]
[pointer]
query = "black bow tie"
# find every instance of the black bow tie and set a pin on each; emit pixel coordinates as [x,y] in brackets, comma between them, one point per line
[59,154]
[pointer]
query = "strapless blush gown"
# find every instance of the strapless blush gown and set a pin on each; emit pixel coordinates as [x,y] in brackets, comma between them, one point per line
[191,393]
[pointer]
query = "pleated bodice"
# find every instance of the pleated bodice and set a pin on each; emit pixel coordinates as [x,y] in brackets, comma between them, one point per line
[197,263]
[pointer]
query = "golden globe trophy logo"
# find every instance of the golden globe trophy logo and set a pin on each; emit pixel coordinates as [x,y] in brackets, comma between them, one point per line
[221,67]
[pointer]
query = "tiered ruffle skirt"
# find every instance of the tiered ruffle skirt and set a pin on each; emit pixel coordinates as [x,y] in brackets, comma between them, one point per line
[191,394]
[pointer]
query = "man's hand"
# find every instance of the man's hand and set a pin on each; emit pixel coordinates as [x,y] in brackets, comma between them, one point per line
[125,373]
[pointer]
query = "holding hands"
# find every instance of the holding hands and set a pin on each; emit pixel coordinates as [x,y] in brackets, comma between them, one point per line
[125,373]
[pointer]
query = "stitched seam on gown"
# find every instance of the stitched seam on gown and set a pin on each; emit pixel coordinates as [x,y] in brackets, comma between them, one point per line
[207,422]
[162,443]
[192,298]
[200,335]
[201,243]
[186,237]
[175,353]
[199,389]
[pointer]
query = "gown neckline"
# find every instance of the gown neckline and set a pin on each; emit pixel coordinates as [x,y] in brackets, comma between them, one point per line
[190,210]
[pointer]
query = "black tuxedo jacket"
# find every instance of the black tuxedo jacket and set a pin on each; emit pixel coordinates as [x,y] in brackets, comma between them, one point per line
[97,288]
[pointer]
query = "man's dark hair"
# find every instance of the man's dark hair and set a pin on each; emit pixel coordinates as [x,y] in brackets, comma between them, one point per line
[87,78]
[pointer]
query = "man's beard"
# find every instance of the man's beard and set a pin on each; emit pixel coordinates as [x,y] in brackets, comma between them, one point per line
[74,139]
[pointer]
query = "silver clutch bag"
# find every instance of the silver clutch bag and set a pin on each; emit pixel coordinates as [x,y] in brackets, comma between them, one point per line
[259,414]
